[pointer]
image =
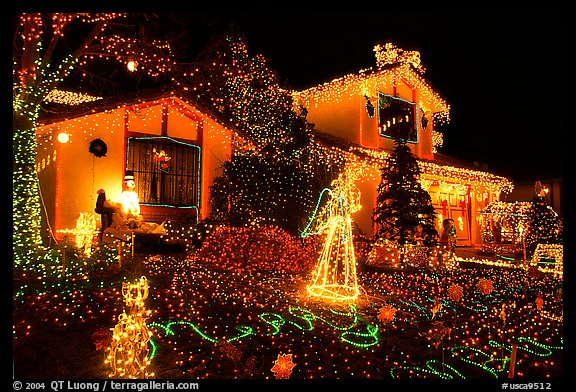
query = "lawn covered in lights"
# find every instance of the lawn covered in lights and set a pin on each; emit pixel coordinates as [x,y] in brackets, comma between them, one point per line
[212,322]
[222,318]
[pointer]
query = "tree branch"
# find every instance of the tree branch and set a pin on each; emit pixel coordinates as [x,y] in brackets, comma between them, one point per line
[61,71]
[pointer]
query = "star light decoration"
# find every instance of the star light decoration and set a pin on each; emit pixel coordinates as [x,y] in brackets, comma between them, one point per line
[283,366]
[455,292]
[539,301]
[485,286]
[436,308]
[387,313]
[390,54]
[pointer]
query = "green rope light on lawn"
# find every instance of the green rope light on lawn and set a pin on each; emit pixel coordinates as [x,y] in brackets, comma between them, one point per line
[277,321]
[547,349]
[372,335]
[243,329]
[490,359]
[430,370]
[424,311]
[153,349]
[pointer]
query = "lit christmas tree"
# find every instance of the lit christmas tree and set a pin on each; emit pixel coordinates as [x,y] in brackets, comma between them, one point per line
[402,204]
[245,91]
[267,180]
[261,190]
[544,225]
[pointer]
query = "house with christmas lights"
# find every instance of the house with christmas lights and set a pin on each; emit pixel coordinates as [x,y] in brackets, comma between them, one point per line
[173,148]
[169,146]
[359,116]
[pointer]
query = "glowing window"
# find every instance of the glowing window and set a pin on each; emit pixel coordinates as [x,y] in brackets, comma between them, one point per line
[397,118]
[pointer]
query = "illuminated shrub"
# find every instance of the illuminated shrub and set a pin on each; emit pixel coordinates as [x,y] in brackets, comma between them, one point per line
[263,248]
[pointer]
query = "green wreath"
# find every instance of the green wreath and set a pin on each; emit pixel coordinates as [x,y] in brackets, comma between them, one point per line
[98,148]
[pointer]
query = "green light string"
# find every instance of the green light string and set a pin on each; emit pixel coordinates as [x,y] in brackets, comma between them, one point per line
[352,314]
[478,358]
[277,321]
[546,349]
[414,304]
[481,307]
[371,336]
[430,370]
[153,349]
[459,352]
[168,331]
[304,232]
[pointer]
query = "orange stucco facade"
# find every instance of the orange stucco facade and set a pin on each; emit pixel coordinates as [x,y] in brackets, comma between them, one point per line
[338,108]
[70,175]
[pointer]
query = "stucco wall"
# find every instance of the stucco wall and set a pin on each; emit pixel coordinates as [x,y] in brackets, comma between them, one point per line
[70,185]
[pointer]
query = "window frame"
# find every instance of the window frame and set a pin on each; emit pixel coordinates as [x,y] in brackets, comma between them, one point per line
[415,114]
[163,141]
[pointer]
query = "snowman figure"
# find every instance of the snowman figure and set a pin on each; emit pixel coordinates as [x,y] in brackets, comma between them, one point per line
[130,200]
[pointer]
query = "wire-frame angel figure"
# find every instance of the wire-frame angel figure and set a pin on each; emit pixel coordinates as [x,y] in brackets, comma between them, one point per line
[334,277]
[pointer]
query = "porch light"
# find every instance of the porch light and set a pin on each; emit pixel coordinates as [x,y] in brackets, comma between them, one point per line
[63,137]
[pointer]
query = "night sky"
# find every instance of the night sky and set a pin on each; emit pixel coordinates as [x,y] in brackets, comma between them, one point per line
[502,74]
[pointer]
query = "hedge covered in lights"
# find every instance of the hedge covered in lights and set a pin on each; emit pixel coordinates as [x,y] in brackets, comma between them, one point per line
[263,248]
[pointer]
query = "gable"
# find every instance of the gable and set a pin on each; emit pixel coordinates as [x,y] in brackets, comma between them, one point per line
[400,80]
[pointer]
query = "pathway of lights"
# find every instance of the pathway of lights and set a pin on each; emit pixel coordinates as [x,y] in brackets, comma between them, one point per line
[206,308]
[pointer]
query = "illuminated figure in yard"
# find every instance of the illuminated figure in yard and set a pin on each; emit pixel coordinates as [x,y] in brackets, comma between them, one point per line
[335,274]
[128,355]
[130,201]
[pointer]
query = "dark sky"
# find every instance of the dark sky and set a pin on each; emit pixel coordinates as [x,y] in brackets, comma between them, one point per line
[502,74]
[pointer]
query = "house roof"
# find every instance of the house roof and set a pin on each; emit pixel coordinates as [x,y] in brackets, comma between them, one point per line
[129,99]
[442,165]
[515,208]
[360,82]
[440,159]
[443,159]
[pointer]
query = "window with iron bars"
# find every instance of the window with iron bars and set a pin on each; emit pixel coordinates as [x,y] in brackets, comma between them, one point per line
[166,171]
